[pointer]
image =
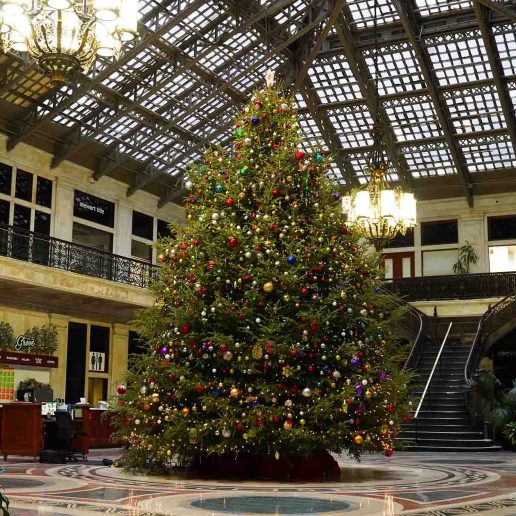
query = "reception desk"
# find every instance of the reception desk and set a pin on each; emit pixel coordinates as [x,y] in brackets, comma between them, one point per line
[101,429]
[24,432]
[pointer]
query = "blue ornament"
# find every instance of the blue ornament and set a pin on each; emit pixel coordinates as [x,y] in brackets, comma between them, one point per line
[318,157]
[219,188]
[336,196]
[216,393]
[291,259]
[255,120]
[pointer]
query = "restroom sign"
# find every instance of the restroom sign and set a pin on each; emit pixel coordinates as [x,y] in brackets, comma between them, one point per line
[97,361]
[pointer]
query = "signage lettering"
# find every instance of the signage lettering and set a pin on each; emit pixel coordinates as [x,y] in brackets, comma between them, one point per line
[24,344]
[30,360]
[93,208]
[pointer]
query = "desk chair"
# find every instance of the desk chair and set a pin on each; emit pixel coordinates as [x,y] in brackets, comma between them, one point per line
[65,433]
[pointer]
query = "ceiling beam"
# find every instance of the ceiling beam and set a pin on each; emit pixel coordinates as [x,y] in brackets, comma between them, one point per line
[493,55]
[407,10]
[368,90]
[314,22]
[324,124]
[500,8]
[59,100]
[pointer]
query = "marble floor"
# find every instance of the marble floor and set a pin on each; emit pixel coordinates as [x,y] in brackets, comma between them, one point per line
[433,484]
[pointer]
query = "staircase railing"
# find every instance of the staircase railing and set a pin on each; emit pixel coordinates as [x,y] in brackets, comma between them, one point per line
[430,376]
[413,322]
[493,320]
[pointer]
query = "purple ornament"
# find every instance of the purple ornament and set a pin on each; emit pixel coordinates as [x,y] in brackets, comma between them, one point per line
[359,389]
[336,196]
[355,361]
[255,403]
[255,120]
[164,350]
[360,408]
[381,377]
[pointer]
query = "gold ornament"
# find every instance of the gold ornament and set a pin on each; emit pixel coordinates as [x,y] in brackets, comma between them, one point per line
[288,371]
[287,425]
[302,422]
[257,351]
[233,392]
[268,287]
[358,439]
[368,394]
[186,411]
[345,408]
[155,397]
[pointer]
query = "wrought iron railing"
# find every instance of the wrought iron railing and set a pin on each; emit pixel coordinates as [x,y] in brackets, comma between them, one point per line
[413,324]
[59,254]
[461,286]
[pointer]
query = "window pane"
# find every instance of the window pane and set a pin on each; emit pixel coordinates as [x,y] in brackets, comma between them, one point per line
[501,228]
[44,192]
[92,237]
[143,225]
[163,229]
[400,240]
[439,232]
[4,212]
[21,217]
[42,223]
[6,177]
[23,185]
[141,251]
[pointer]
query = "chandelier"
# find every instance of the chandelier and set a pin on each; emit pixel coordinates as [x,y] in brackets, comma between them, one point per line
[65,36]
[376,211]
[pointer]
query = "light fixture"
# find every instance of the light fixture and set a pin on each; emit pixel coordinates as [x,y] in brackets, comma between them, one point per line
[65,36]
[376,211]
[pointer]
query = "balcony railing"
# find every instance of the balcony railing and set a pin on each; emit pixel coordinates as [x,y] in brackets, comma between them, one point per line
[59,254]
[461,286]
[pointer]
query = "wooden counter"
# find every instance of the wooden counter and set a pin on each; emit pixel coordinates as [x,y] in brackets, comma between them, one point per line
[21,429]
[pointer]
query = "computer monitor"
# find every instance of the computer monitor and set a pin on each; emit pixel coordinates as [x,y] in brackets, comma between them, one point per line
[48,409]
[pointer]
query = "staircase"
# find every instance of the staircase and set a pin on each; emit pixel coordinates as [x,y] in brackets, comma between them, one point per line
[443,422]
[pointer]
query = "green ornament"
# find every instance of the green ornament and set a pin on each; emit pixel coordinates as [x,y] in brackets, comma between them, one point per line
[239,132]
[243,171]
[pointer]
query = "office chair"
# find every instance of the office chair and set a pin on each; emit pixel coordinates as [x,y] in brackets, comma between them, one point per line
[65,433]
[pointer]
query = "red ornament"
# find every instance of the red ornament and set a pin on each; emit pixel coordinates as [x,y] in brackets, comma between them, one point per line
[127,421]
[260,421]
[185,329]
[300,155]
[240,427]
[390,408]
[276,192]
[232,242]
[162,258]
[276,418]
[314,326]
[388,452]
[229,202]
[121,389]
[305,291]
[310,369]
[196,243]
[199,389]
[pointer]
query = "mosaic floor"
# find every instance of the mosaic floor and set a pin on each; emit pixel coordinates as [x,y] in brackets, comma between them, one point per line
[407,483]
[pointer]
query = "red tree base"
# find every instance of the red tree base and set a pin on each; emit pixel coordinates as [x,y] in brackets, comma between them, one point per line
[320,466]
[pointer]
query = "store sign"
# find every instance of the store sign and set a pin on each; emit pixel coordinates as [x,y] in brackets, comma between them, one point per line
[9,357]
[94,209]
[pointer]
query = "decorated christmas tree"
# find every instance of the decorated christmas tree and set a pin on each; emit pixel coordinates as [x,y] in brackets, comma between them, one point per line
[268,338]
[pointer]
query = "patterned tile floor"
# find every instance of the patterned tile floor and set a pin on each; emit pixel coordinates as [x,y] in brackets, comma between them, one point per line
[432,484]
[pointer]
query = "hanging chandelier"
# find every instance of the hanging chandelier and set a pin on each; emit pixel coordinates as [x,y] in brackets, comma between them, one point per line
[65,36]
[376,211]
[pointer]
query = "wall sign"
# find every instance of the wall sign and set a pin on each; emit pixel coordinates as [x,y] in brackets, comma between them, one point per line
[94,209]
[97,361]
[23,344]
[9,357]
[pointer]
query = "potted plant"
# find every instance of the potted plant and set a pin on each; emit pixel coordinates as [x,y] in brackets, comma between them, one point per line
[45,339]
[467,257]
[6,335]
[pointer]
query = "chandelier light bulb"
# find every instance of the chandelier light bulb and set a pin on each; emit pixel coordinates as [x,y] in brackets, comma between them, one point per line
[107,10]
[59,4]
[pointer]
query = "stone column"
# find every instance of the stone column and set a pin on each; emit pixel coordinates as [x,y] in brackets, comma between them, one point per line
[119,352]
[58,375]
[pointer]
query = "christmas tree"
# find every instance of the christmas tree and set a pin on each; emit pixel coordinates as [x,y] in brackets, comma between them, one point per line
[268,337]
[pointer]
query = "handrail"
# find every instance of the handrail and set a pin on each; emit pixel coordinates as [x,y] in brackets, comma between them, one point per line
[432,372]
[29,246]
[418,319]
[491,320]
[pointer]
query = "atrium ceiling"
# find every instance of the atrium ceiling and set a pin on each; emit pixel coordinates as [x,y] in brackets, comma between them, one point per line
[446,82]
